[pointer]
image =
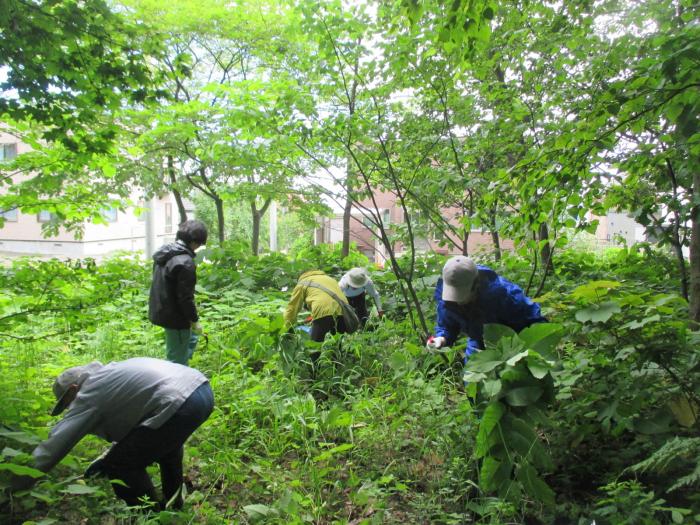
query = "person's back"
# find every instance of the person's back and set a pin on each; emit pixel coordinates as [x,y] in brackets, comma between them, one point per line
[171,300]
[356,284]
[325,310]
[469,296]
[146,408]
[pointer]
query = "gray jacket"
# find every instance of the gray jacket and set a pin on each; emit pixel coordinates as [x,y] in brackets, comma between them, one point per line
[117,398]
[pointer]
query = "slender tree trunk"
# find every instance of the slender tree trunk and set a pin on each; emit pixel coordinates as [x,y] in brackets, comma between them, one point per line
[496,240]
[546,250]
[682,267]
[255,240]
[495,237]
[220,218]
[347,215]
[258,214]
[465,242]
[176,193]
[695,252]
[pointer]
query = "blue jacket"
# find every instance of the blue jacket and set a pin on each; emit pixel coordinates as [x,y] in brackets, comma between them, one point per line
[497,301]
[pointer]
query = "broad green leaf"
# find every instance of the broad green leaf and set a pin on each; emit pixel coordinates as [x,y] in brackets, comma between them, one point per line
[534,485]
[492,387]
[594,290]
[258,511]
[80,489]
[21,470]
[598,313]
[538,365]
[494,332]
[21,437]
[473,377]
[488,474]
[635,324]
[542,337]
[517,358]
[523,396]
[492,415]
[484,361]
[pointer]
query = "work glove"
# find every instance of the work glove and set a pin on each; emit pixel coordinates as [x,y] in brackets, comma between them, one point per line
[196,328]
[434,343]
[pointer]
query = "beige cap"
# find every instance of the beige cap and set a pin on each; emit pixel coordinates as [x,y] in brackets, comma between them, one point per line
[71,376]
[459,277]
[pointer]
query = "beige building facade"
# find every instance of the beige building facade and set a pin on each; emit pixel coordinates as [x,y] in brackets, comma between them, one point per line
[362,231]
[124,230]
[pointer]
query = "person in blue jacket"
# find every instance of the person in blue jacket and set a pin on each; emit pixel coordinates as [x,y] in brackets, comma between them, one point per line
[469,296]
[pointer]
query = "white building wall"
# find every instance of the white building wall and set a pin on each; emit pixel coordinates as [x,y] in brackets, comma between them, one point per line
[24,236]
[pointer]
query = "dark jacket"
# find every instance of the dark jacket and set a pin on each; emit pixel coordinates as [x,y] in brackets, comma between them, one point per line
[171,303]
[497,301]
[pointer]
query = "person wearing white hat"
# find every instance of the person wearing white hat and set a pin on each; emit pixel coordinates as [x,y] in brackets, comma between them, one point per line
[469,296]
[356,284]
[146,407]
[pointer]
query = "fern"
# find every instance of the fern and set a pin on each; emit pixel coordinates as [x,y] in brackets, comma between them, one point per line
[685,449]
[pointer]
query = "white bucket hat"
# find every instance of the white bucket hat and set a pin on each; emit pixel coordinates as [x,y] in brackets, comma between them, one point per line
[459,276]
[69,377]
[358,277]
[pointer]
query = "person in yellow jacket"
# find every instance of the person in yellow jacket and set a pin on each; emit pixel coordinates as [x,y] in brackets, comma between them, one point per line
[325,310]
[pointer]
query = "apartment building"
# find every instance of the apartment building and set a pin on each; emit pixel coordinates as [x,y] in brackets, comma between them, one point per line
[125,230]
[330,230]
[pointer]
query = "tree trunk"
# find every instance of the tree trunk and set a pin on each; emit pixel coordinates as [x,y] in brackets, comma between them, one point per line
[255,240]
[176,193]
[495,238]
[682,268]
[347,211]
[465,242]
[695,252]
[347,214]
[258,214]
[546,249]
[220,218]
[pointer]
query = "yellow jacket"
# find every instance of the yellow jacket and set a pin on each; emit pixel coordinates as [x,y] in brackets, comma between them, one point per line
[319,302]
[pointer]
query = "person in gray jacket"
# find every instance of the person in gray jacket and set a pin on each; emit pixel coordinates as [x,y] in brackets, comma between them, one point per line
[146,407]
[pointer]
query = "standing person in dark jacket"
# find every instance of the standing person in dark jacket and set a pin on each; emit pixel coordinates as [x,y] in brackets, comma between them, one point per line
[469,296]
[171,304]
[146,407]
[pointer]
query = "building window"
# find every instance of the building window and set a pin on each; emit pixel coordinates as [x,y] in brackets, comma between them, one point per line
[7,152]
[368,223]
[45,216]
[386,217]
[110,214]
[9,215]
[168,217]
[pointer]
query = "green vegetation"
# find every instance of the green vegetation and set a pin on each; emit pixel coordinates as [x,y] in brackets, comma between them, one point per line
[524,119]
[588,417]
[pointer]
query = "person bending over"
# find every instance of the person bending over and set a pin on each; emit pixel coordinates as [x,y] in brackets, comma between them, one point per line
[325,310]
[356,284]
[469,296]
[146,407]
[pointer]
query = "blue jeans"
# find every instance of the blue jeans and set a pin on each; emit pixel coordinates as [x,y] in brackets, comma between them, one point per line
[180,345]
[127,460]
